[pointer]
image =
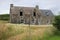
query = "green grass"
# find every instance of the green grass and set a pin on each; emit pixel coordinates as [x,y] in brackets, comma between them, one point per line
[55,36]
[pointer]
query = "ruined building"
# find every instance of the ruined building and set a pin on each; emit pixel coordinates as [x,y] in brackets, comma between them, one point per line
[30,15]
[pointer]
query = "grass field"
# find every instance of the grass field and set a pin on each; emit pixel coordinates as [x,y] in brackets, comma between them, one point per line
[9,31]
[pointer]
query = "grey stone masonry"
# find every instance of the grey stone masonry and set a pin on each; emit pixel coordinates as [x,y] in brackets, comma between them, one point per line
[32,15]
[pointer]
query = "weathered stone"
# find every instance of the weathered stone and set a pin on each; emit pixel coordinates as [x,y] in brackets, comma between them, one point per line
[27,15]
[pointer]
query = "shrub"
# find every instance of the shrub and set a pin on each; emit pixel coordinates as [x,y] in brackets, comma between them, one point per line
[4,17]
[56,22]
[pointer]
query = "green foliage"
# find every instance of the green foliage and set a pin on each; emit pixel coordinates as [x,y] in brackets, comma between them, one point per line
[55,36]
[4,17]
[57,33]
[56,22]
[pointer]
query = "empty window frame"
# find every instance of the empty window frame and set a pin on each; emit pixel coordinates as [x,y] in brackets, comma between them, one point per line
[21,13]
[34,13]
[22,21]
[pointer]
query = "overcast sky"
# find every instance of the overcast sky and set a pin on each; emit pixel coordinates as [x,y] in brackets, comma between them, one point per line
[53,5]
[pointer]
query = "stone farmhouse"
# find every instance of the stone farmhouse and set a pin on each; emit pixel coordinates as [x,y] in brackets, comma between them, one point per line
[30,15]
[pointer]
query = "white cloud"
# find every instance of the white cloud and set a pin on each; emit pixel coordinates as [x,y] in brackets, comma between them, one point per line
[43,4]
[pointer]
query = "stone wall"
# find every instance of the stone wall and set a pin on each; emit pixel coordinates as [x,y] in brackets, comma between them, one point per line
[27,16]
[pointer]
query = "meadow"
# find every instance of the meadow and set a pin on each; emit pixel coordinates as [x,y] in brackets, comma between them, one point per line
[10,31]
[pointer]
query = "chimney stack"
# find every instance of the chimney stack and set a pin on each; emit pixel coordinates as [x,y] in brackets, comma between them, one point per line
[37,6]
[11,5]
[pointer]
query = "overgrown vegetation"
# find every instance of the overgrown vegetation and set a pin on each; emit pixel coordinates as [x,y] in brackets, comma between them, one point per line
[4,17]
[7,31]
[10,31]
[56,22]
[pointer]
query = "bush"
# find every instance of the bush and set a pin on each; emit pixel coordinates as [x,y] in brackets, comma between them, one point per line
[56,22]
[4,17]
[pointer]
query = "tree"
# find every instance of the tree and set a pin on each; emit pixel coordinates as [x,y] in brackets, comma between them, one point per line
[56,22]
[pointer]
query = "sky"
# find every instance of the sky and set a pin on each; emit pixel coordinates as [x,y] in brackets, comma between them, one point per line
[53,5]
